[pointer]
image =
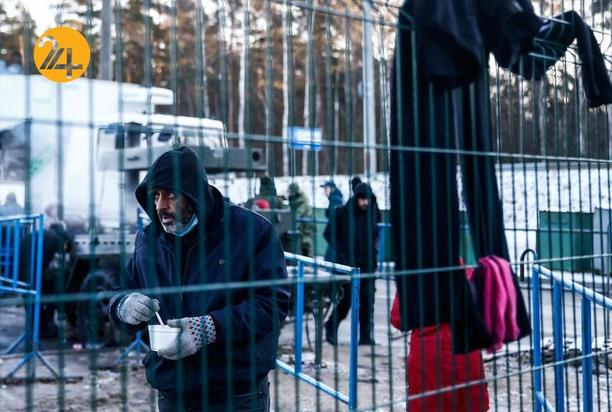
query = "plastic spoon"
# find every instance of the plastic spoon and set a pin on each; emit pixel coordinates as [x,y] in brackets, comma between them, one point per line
[161,322]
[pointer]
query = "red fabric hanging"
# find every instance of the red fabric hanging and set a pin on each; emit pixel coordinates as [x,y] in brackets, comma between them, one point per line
[432,366]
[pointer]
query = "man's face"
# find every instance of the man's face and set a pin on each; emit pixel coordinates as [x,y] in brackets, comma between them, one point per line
[327,190]
[172,209]
[362,202]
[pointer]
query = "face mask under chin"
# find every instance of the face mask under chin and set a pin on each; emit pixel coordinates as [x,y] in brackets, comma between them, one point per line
[181,229]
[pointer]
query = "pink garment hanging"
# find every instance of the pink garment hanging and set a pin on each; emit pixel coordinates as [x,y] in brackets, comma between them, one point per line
[498,299]
[512,329]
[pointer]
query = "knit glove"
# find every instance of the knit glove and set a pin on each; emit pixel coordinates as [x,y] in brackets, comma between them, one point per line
[136,308]
[195,332]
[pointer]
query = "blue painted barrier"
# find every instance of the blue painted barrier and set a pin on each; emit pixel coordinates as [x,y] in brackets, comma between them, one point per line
[296,371]
[13,231]
[563,282]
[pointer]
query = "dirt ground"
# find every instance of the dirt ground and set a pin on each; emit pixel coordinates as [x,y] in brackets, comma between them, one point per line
[97,383]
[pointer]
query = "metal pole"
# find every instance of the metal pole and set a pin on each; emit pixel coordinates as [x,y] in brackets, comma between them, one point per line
[354,340]
[537,349]
[299,315]
[369,120]
[558,342]
[106,47]
[39,253]
[587,361]
[16,238]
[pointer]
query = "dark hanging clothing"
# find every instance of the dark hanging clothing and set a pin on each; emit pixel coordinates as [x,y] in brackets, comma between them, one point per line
[553,39]
[440,101]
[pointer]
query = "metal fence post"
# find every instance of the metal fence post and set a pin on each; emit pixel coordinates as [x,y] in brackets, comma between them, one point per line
[16,239]
[587,361]
[381,247]
[558,342]
[355,283]
[537,342]
[299,315]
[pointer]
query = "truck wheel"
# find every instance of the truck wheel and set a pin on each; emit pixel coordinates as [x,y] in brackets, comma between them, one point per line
[95,330]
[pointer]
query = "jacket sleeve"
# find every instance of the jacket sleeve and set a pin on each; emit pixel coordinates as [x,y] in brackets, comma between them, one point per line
[263,311]
[131,282]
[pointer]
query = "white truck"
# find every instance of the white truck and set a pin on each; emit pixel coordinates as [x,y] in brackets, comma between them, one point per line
[77,151]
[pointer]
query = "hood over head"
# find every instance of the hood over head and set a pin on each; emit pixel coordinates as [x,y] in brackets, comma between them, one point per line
[266,186]
[294,189]
[181,171]
[363,190]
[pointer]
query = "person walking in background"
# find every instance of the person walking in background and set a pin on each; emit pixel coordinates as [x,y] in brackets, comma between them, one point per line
[356,242]
[334,195]
[267,191]
[300,212]
[10,206]
[196,238]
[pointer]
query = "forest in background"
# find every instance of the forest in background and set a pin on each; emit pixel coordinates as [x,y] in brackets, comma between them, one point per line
[261,66]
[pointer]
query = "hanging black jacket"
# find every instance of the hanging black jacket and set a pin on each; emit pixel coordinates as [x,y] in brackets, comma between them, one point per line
[440,101]
[230,244]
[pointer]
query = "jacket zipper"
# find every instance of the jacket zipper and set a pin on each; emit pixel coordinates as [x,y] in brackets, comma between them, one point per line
[182,279]
[184,271]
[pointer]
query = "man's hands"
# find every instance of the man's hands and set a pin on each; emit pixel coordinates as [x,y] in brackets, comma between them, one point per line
[136,308]
[195,332]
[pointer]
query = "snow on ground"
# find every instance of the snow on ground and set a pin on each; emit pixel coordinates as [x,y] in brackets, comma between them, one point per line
[526,189]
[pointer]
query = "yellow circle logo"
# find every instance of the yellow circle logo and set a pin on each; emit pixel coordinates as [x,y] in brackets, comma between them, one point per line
[61,54]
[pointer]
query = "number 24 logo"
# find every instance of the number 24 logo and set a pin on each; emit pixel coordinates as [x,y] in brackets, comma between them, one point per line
[51,61]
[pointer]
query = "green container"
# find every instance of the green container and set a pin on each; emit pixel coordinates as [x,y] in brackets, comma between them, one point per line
[563,235]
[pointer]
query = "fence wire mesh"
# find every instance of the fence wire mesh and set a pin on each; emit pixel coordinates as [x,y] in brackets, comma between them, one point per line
[355,161]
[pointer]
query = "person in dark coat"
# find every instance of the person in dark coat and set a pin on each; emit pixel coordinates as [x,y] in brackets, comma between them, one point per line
[334,195]
[229,337]
[267,191]
[57,243]
[356,242]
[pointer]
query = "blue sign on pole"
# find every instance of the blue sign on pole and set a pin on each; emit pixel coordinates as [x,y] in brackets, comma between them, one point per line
[304,138]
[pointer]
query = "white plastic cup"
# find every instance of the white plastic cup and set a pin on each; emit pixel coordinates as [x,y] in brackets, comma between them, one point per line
[161,336]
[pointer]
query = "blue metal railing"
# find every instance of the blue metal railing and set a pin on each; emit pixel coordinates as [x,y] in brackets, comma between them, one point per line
[562,282]
[337,269]
[13,231]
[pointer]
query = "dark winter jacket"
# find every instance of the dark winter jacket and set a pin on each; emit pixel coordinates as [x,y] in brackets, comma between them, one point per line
[230,244]
[335,200]
[355,238]
[267,191]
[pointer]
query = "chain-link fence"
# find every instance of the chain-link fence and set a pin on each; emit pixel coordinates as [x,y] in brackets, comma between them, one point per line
[230,179]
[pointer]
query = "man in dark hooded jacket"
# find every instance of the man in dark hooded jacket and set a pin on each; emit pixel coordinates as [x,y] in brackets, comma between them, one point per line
[355,240]
[229,336]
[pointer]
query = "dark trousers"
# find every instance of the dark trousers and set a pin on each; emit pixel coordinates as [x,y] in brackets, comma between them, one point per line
[366,308]
[252,401]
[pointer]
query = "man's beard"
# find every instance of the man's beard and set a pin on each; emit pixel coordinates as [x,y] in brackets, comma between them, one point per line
[176,226]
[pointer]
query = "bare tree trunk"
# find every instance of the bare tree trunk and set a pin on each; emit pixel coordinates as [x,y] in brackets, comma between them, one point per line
[541,104]
[243,70]
[201,57]
[308,80]
[286,57]
[106,46]
[369,119]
